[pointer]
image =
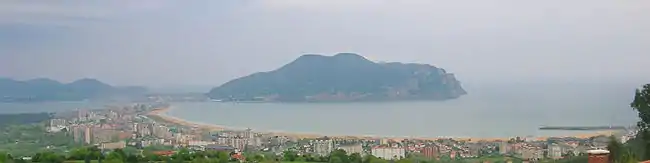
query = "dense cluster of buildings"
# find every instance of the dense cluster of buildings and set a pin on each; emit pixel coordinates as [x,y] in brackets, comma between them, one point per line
[129,126]
[391,149]
[110,128]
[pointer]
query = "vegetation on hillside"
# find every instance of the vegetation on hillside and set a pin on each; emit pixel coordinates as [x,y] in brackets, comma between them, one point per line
[342,77]
[23,118]
[29,139]
[37,90]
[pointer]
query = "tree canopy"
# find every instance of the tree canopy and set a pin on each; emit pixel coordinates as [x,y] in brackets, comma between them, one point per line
[641,104]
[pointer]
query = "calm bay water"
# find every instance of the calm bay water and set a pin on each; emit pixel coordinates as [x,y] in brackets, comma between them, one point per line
[488,111]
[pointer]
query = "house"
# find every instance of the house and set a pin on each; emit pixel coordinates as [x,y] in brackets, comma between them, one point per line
[164,153]
[215,147]
[238,156]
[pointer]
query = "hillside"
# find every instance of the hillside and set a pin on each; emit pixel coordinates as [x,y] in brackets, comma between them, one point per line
[342,77]
[42,89]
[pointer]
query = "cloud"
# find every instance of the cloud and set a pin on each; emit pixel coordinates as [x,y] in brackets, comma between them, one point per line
[207,42]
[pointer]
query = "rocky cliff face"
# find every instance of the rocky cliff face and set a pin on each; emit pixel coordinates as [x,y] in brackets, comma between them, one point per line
[342,77]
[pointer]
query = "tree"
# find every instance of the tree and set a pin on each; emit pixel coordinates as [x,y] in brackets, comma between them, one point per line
[615,149]
[95,153]
[339,155]
[116,155]
[78,154]
[48,157]
[628,157]
[4,157]
[404,161]
[150,156]
[641,104]
[223,157]
[133,159]
[301,158]
[289,155]
[355,158]
[200,160]
[182,155]
[373,159]
[258,158]
[336,160]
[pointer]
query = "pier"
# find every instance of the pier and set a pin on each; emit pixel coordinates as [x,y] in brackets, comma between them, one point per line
[585,128]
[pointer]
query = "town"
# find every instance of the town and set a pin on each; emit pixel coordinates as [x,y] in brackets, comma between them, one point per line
[131,127]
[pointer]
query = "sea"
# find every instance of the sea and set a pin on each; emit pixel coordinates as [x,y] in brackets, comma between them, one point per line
[496,110]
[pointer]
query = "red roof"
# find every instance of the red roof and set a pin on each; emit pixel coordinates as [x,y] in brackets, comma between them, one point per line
[163,153]
[238,156]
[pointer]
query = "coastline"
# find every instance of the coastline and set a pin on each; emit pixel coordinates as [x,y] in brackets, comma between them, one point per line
[161,114]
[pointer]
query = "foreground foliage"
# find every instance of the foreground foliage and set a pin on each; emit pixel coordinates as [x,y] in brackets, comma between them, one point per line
[641,104]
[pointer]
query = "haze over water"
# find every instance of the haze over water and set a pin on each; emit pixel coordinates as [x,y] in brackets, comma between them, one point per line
[18,108]
[488,111]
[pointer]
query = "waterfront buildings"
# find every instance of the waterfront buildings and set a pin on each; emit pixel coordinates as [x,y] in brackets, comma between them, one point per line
[232,140]
[214,147]
[389,153]
[430,151]
[144,129]
[58,122]
[115,127]
[87,134]
[104,135]
[323,147]
[248,134]
[554,151]
[199,143]
[353,148]
[532,154]
[114,145]
[77,133]
[504,147]
[161,131]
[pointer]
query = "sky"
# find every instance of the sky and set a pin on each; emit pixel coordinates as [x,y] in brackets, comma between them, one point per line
[208,42]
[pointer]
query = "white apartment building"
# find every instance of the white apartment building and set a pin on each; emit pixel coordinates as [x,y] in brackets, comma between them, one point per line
[199,143]
[554,151]
[323,147]
[58,122]
[389,153]
[350,149]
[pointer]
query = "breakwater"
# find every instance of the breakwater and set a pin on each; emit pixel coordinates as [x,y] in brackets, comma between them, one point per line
[583,128]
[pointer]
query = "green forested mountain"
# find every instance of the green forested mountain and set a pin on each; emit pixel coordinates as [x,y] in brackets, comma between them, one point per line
[342,77]
[43,89]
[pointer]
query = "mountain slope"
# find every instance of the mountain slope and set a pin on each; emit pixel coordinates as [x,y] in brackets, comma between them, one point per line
[43,89]
[342,77]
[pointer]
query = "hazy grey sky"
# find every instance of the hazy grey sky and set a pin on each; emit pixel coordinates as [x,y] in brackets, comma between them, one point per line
[207,42]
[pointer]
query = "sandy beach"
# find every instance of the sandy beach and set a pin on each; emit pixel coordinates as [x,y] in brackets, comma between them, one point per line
[161,114]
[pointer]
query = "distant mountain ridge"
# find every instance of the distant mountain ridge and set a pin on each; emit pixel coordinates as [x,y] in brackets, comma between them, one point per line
[342,77]
[43,89]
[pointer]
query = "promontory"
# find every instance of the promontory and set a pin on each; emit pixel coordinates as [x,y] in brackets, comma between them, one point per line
[339,78]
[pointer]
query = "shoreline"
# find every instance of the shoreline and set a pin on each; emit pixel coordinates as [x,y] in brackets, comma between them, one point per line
[161,114]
